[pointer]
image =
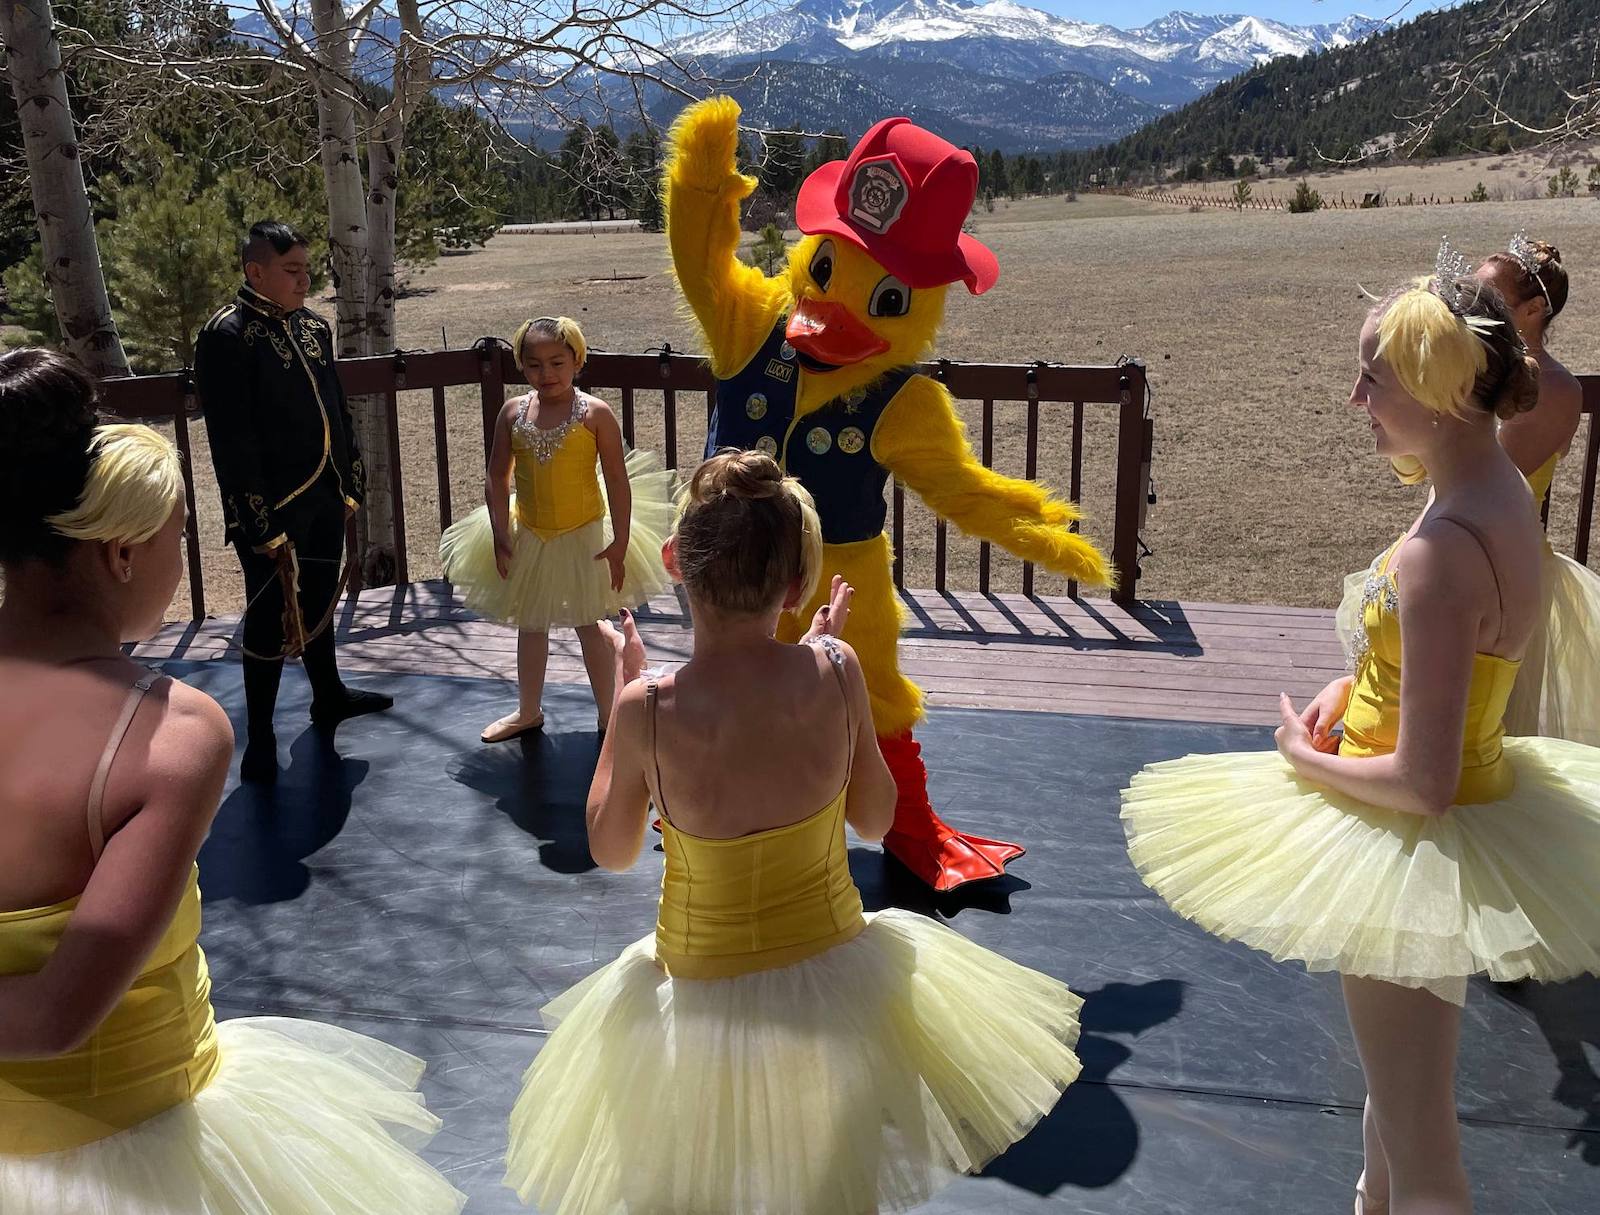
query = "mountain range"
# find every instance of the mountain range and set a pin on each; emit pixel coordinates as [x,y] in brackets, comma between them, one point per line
[1165,63]
[994,73]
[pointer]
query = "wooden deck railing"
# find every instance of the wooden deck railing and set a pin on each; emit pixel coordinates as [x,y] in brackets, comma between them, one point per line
[489,366]
[1588,471]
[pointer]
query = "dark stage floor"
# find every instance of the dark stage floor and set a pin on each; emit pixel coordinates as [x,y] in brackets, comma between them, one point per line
[434,892]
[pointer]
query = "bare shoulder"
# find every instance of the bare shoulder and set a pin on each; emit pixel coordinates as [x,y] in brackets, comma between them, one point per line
[1443,562]
[849,662]
[1560,387]
[193,734]
[628,722]
[598,414]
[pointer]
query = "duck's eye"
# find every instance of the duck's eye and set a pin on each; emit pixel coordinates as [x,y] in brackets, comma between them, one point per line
[890,297]
[822,265]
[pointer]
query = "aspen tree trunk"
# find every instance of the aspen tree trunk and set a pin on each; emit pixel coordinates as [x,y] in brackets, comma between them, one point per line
[55,176]
[350,256]
[413,69]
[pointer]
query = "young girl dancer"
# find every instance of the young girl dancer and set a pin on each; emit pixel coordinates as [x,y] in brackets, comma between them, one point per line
[1558,690]
[560,552]
[119,1092]
[1422,848]
[770,1048]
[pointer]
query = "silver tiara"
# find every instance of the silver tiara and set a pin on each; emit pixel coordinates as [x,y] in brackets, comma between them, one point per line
[1521,248]
[1449,267]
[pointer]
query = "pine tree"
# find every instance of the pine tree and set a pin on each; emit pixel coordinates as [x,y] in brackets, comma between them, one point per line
[1305,199]
[171,260]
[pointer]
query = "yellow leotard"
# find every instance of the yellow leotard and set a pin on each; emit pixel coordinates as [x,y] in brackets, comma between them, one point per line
[156,1049]
[558,489]
[755,902]
[1372,719]
[1539,479]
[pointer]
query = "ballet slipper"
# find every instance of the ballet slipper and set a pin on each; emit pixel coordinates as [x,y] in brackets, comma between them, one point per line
[1369,1206]
[510,726]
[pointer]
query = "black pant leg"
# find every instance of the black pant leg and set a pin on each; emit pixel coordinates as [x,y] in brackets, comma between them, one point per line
[322,559]
[263,634]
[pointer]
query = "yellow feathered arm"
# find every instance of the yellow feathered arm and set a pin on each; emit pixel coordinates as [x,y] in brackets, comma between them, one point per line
[735,304]
[922,441]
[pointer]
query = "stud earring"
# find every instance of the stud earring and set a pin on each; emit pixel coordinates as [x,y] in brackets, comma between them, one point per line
[127,573]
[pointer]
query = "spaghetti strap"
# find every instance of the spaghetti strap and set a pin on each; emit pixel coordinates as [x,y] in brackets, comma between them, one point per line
[102,772]
[652,694]
[830,646]
[1500,602]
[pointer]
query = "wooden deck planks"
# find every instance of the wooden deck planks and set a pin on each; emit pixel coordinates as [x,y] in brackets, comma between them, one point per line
[1163,660]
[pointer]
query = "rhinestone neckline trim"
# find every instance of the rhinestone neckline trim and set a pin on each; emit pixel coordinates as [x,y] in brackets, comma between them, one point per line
[545,443]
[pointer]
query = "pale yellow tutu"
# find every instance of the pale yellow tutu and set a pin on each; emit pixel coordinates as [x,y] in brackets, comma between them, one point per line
[1557,693]
[301,1119]
[1251,852]
[861,1079]
[557,583]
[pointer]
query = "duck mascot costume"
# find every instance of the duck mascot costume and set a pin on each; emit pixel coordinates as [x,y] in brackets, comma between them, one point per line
[817,367]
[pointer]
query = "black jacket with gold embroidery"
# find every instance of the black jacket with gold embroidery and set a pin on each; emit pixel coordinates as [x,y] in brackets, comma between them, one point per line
[281,434]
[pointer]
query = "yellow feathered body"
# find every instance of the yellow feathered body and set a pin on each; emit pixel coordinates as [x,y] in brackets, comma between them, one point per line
[919,438]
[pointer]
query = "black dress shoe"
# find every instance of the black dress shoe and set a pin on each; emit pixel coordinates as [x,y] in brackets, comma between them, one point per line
[352,703]
[260,763]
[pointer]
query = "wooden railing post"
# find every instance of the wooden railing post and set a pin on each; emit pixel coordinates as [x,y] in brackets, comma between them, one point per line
[1591,467]
[397,497]
[191,525]
[491,389]
[1131,482]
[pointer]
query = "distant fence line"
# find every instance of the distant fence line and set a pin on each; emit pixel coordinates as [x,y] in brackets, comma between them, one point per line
[1222,202]
[571,227]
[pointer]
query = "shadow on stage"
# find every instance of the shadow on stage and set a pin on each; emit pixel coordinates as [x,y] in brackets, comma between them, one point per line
[1568,1016]
[540,782]
[1091,1137]
[263,833]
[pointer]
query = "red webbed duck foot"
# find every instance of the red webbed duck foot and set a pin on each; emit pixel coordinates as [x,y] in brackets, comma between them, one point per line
[953,859]
[924,843]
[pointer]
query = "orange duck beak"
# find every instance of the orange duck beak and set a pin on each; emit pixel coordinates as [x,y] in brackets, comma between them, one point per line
[828,336]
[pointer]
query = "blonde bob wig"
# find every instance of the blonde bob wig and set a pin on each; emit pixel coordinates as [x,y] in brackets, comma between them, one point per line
[135,482]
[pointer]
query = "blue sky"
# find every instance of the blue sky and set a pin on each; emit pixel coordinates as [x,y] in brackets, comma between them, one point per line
[1130,14]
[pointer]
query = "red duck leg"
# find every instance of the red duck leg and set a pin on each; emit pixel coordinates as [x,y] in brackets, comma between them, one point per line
[924,843]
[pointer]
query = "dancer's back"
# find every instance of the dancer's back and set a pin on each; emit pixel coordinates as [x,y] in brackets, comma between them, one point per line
[59,722]
[746,742]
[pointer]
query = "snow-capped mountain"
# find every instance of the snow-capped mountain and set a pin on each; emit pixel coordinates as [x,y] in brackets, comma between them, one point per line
[1167,62]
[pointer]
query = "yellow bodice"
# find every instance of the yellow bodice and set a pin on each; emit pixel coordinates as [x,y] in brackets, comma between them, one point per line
[735,906]
[1372,719]
[156,1049]
[558,489]
[1539,480]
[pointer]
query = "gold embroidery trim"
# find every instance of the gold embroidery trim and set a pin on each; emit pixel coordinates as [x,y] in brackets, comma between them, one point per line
[327,435]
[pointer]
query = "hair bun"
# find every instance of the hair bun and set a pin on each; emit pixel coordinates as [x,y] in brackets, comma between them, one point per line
[47,422]
[751,475]
[1520,392]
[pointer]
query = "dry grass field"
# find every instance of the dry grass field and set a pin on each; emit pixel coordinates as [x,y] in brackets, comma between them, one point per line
[1520,176]
[1268,489]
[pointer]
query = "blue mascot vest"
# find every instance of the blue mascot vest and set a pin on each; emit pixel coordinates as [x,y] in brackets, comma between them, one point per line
[829,450]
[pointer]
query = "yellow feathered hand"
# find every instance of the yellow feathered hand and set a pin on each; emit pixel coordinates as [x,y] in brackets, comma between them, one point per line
[734,304]
[922,441]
